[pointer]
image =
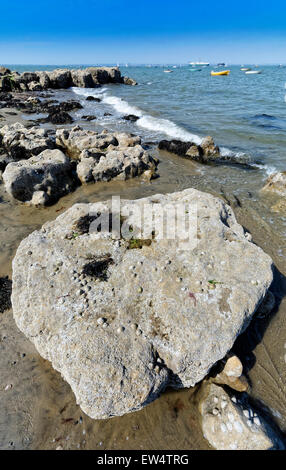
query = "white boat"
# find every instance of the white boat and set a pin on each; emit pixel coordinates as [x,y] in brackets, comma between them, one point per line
[199,63]
[253,72]
[168,71]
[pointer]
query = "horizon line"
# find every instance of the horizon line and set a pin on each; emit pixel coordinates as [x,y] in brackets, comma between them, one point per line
[130,64]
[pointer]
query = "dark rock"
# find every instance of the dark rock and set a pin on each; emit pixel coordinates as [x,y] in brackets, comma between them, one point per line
[60,78]
[107,114]
[64,106]
[93,98]
[204,153]
[60,117]
[89,118]
[4,161]
[5,83]
[28,77]
[4,71]
[131,117]
[5,293]
[102,75]
[175,146]
[6,96]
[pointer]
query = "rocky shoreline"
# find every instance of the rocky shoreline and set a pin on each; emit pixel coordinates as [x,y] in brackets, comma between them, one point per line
[130,348]
[90,77]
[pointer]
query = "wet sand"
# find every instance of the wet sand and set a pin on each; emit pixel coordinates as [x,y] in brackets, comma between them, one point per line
[39,410]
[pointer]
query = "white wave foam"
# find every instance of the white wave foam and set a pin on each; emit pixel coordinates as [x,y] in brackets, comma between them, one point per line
[145,121]
[149,122]
[268,169]
[167,127]
[164,126]
[122,106]
[96,92]
[225,152]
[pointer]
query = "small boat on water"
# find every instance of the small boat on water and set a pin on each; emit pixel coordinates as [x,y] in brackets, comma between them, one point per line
[253,72]
[222,72]
[245,69]
[203,64]
[168,71]
[195,70]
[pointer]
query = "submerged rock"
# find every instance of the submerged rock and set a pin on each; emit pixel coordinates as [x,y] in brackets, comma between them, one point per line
[123,318]
[276,183]
[232,424]
[89,117]
[206,152]
[203,153]
[131,117]
[40,180]
[129,81]
[93,98]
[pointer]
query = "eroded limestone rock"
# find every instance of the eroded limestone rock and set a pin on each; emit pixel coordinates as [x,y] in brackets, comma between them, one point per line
[40,180]
[20,143]
[123,318]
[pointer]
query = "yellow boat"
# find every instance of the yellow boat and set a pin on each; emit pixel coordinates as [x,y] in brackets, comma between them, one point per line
[223,72]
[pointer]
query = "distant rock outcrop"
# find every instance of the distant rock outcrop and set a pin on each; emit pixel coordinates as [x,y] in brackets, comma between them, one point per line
[90,77]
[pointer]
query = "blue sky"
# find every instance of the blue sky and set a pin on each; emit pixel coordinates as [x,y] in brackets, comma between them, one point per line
[142,31]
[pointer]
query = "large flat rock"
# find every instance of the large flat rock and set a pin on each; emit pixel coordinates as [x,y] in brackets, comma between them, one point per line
[122,319]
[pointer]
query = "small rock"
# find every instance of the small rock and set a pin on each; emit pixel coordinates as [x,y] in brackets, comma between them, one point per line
[230,429]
